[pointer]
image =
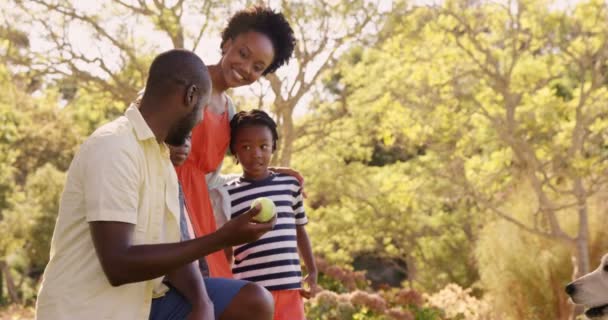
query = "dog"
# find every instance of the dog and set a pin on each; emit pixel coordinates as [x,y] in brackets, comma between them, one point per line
[591,291]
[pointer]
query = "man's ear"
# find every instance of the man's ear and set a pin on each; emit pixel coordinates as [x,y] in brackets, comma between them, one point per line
[191,97]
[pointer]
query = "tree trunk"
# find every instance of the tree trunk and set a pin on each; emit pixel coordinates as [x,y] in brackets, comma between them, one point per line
[580,265]
[1,288]
[287,137]
[10,285]
[582,241]
[581,261]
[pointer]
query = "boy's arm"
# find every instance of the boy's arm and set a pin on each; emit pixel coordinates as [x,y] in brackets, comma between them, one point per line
[305,250]
[189,282]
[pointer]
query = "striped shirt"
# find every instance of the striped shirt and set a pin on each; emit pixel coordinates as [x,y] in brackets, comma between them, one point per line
[272,261]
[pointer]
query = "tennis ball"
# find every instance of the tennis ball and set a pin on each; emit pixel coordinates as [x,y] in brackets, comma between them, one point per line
[268,209]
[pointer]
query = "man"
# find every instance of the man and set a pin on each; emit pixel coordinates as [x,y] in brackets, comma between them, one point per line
[117,233]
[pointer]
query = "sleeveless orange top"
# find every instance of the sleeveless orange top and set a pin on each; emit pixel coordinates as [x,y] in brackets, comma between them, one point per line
[210,140]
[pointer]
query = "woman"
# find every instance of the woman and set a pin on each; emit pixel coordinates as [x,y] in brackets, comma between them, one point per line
[256,41]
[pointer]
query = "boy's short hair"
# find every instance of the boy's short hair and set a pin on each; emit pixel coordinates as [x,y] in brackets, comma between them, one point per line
[269,23]
[252,118]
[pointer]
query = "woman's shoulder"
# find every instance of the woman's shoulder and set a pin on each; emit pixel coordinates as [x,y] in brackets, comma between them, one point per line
[230,106]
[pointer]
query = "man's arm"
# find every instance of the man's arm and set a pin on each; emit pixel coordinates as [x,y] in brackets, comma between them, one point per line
[123,262]
[189,282]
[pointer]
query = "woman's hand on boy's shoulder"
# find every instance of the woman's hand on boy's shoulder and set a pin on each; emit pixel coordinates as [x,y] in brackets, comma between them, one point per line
[293,173]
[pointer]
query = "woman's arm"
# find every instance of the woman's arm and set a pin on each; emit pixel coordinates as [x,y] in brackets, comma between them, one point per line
[216,179]
[293,173]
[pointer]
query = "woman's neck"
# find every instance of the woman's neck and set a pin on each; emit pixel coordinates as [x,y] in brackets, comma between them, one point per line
[219,85]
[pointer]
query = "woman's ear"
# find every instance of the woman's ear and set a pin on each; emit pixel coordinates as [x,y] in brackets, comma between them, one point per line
[227,44]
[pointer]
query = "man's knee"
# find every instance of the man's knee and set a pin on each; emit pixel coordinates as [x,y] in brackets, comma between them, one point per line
[252,302]
[258,297]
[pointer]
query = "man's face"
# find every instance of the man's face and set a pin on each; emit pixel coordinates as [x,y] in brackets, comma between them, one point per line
[180,131]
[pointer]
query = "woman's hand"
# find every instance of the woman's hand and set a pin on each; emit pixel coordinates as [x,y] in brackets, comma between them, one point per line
[293,173]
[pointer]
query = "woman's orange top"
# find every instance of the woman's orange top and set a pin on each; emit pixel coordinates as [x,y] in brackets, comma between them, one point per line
[210,141]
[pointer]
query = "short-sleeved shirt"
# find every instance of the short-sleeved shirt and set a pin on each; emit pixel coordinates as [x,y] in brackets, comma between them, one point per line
[122,174]
[272,261]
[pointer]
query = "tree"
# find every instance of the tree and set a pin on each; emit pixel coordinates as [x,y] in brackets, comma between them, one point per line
[340,25]
[35,133]
[118,60]
[116,64]
[503,96]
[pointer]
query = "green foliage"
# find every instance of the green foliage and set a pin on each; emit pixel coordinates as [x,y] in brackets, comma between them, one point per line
[37,143]
[462,141]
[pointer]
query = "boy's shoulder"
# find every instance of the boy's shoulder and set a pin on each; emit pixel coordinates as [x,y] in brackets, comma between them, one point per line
[285,177]
[232,183]
[276,179]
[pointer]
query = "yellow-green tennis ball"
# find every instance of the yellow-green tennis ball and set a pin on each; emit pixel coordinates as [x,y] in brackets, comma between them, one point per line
[267,211]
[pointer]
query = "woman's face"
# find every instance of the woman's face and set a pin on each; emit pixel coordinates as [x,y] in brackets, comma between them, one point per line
[245,58]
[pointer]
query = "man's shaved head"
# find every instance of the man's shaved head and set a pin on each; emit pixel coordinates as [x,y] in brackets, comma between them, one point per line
[176,69]
[178,85]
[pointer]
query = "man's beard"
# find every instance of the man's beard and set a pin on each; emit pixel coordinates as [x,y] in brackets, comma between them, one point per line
[178,134]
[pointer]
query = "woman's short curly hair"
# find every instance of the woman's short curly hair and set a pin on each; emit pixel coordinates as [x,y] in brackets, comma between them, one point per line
[268,22]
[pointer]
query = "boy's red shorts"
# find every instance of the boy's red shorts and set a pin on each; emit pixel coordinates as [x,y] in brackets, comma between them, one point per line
[288,305]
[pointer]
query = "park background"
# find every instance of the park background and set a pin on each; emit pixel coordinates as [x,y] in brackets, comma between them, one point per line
[455,152]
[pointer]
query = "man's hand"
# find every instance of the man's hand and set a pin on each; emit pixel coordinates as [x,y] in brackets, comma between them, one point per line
[243,229]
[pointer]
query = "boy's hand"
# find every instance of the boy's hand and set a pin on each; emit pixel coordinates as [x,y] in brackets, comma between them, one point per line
[310,281]
[243,229]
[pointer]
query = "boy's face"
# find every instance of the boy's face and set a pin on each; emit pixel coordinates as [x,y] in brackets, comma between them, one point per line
[253,150]
[179,154]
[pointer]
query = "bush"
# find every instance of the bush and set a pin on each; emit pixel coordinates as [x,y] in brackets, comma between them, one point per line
[458,303]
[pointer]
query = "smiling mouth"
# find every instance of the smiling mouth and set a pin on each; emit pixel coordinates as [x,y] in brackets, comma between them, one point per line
[596,312]
[237,75]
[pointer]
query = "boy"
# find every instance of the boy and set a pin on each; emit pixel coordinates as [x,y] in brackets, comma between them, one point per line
[273,260]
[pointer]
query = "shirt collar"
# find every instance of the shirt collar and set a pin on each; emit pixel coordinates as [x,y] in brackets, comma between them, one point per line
[142,130]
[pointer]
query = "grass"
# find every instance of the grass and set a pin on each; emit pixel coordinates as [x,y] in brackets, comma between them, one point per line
[16,312]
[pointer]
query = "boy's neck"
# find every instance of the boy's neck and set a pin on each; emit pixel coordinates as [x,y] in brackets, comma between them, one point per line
[259,177]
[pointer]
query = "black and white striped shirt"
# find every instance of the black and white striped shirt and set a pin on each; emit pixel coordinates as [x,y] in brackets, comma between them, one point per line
[272,261]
